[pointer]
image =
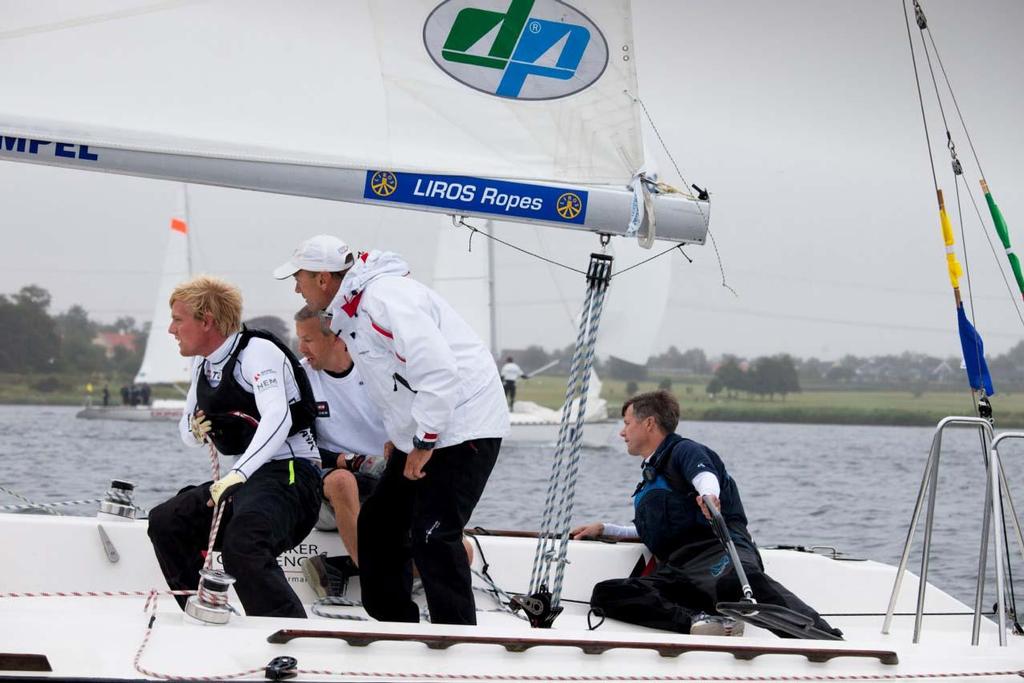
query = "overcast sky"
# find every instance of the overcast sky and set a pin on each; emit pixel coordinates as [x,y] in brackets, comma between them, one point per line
[801,117]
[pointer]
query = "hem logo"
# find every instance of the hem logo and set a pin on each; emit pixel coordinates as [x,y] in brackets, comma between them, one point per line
[534,50]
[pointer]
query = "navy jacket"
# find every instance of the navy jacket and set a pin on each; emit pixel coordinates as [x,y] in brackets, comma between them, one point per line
[667,516]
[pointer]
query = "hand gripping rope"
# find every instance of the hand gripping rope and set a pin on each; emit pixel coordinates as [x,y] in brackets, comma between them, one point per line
[542,605]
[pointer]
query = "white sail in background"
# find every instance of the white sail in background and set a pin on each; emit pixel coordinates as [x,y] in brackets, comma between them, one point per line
[313,99]
[463,277]
[162,363]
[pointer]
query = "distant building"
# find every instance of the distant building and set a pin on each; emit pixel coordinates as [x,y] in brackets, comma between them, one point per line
[110,341]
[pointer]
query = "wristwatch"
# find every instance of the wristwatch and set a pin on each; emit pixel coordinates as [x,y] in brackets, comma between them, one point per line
[422,445]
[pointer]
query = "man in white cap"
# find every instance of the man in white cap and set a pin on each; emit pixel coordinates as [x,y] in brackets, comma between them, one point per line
[444,410]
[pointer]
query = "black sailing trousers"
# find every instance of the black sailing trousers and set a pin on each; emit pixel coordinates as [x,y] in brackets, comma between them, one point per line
[422,521]
[265,517]
[694,579]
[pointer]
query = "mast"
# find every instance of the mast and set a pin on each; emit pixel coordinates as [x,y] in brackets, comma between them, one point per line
[492,308]
[188,234]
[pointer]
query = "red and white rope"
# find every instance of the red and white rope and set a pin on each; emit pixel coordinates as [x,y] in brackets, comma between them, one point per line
[151,607]
[649,677]
[94,594]
[539,678]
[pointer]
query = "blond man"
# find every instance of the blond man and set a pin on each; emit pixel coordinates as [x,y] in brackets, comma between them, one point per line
[251,400]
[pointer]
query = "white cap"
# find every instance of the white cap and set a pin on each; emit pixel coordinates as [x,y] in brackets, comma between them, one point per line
[322,253]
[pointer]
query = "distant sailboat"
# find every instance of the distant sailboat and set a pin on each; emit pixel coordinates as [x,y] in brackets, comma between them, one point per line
[161,362]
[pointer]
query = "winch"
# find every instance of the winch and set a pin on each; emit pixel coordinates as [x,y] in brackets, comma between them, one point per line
[210,604]
[119,500]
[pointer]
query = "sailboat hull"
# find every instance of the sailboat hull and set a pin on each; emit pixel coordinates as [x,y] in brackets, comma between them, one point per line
[165,411]
[85,633]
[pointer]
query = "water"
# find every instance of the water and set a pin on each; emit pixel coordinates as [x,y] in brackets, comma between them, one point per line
[849,487]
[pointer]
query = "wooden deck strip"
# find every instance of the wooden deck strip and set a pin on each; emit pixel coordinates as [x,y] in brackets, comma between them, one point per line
[442,642]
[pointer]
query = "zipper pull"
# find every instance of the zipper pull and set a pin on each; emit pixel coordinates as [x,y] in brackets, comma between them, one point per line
[394,378]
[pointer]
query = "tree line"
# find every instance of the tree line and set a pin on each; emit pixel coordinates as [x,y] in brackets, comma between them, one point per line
[32,339]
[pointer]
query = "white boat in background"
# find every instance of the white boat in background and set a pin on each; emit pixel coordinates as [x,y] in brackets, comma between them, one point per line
[161,362]
[342,101]
[158,410]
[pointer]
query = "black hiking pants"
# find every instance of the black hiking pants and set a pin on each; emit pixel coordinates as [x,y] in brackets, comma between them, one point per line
[422,521]
[694,579]
[265,517]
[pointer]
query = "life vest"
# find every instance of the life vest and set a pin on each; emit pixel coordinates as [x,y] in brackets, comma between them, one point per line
[232,410]
[667,516]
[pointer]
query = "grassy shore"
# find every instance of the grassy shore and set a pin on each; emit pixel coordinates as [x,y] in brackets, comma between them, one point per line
[813,407]
[67,390]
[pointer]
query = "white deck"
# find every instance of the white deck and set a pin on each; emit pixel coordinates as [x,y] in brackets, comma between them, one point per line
[98,636]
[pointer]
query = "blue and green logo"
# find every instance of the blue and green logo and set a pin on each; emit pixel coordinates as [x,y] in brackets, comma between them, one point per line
[519,49]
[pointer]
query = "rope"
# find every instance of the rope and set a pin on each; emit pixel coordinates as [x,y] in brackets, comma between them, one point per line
[151,603]
[561,491]
[49,507]
[31,503]
[643,677]
[114,495]
[707,223]
[539,574]
[94,594]
[137,661]
[648,260]
[459,221]
[926,31]
[336,601]
[568,498]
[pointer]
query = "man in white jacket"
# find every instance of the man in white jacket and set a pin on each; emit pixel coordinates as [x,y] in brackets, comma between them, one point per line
[443,408]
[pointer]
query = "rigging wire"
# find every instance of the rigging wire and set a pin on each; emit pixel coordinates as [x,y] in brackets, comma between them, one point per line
[461,221]
[957,168]
[974,153]
[957,178]
[707,223]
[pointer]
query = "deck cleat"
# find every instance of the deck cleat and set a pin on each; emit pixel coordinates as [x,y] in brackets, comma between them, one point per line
[210,604]
[119,501]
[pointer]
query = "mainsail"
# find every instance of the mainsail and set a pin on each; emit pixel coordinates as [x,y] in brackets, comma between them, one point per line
[162,362]
[521,110]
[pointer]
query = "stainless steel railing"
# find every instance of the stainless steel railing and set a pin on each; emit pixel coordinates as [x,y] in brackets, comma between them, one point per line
[992,521]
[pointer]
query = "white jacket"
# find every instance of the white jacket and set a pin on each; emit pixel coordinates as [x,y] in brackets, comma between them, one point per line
[423,365]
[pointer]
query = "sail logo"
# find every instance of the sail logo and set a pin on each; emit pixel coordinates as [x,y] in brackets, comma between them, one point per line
[383,183]
[523,49]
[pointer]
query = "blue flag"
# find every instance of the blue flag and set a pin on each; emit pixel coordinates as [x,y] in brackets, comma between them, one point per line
[974,354]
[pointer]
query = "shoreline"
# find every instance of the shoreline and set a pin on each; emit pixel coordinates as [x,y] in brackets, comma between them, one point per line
[779,414]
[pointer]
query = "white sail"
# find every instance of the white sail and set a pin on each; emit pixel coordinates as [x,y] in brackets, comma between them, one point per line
[162,363]
[463,277]
[349,101]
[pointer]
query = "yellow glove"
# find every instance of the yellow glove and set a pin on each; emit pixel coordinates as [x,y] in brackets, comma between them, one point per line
[226,485]
[200,426]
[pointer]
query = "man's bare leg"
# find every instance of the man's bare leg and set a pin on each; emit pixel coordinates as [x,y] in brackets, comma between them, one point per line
[341,490]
